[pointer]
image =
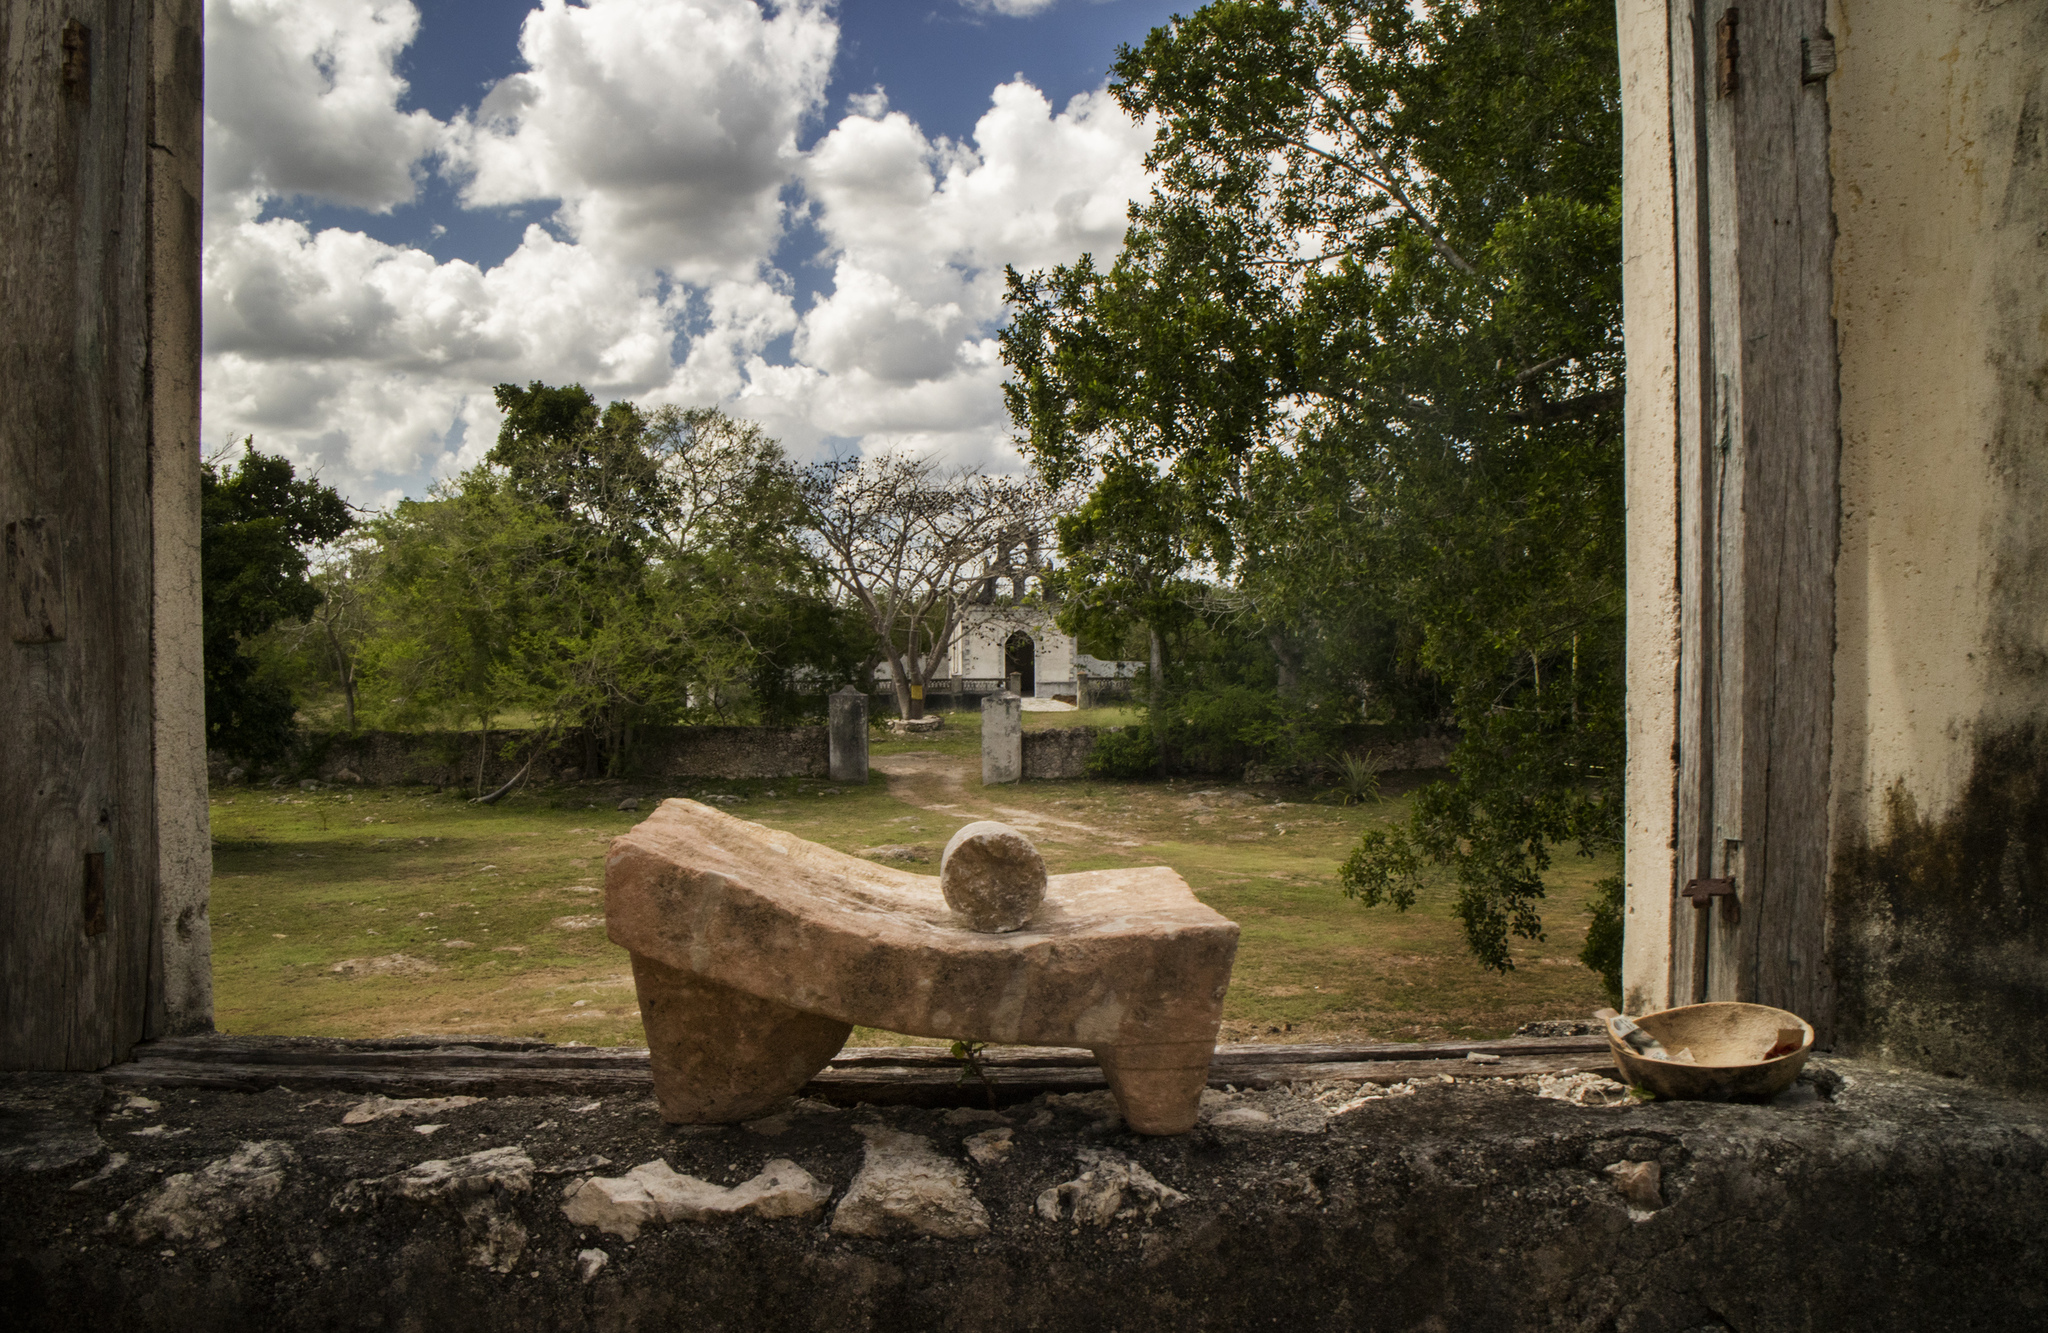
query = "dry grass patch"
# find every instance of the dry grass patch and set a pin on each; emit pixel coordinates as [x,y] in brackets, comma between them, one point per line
[499,908]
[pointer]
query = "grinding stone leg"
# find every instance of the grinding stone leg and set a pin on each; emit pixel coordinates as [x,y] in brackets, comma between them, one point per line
[720,1054]
[1158,1088]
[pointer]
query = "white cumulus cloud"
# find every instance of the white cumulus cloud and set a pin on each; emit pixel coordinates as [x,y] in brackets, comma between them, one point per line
[919,232]
[302,100]
[663,140]
[665,130]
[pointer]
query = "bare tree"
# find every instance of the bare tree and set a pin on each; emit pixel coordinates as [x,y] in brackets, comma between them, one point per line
[907,540]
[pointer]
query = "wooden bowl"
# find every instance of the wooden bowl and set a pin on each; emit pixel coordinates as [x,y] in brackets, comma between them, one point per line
[1728,1042]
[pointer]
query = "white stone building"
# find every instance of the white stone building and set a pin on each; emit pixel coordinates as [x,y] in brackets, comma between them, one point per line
[993,642]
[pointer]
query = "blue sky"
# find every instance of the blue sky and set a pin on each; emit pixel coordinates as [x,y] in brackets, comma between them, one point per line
[668,200]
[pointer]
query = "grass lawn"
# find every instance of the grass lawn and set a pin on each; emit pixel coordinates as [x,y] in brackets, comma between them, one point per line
[387,911]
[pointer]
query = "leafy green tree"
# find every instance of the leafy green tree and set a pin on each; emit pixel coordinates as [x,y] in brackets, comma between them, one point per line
[906,541]
[257,519]
[600,571]
[1370,322]
[1125,560]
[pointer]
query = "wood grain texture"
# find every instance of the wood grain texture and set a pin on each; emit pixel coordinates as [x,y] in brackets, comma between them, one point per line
[1790,484]
[74,450]
[1758,506]
[34,557]
[895,1076]
[1696,470]
[181,961]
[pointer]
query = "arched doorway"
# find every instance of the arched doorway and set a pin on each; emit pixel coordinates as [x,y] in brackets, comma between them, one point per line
[1020,658]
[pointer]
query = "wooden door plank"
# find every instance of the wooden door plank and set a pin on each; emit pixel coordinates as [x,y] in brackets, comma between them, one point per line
[1758,504]
[1791,453]
[74,435]
[1696,531]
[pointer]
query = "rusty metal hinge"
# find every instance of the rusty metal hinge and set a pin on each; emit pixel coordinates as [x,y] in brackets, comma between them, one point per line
[1727,48]
[1702,892]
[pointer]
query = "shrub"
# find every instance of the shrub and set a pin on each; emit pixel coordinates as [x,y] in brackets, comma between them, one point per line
[1603,936]
[1125,752]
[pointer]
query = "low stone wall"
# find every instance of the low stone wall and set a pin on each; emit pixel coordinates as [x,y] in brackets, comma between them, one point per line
[389,758]
[1862,1200]
[1061,753]
[1057,753]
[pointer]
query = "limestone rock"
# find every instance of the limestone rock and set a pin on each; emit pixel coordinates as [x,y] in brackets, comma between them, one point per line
[1640,1183]
[1110,1186]
[992,876]
[477,1188]
[974,1115]
[589,1263]
[1581,1089]
[1124,962]
[1002,739]
[990,1147]
[199,1206]
[846,749]
[1241,1117]
[374,1109]
[1267,1111]
[654,1193]
[904,1187]
[916,726]
[492,1171]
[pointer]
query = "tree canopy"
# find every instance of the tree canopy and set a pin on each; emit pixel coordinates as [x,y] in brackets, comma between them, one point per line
[257,517]
[1368,325]
[599,570]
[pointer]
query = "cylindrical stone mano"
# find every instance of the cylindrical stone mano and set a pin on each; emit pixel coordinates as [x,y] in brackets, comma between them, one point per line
[993,876]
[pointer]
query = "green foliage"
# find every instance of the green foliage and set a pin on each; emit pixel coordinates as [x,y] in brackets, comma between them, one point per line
[602,570]
[1366,334]
[969,1054]
[1357,778]
[1124,752]
[1602,950]
[257,517]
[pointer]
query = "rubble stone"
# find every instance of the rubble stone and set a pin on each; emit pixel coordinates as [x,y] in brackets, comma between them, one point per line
[654,1193]
[201,1206]
[905,1187]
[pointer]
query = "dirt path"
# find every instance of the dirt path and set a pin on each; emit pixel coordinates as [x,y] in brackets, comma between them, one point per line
[940,783]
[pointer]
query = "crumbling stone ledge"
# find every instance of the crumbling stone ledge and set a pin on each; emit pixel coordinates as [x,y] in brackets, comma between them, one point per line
[1898,1201]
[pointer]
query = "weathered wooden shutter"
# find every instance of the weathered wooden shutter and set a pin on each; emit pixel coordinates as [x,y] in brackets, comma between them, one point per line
[99,160]
[1757,499]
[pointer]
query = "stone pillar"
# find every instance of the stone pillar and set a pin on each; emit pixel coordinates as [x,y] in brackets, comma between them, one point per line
[1002,738]
[1015,685]
[848,729]
[1080,686]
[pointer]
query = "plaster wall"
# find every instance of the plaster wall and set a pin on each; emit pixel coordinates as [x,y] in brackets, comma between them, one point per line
[1650,417]
[977,650]
[1938,914]
[1942,316]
